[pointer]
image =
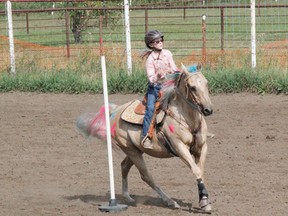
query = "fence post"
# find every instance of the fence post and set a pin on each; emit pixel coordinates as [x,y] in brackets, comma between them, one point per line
[67,25]
[253,35]
[128,38]
[184,10]
[101,36]
[27,23]
[11,39]
[203,39]
[222,29]
[146,20]
[105,14]
[259,12]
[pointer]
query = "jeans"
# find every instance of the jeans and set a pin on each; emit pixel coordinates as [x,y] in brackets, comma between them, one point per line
[151,96]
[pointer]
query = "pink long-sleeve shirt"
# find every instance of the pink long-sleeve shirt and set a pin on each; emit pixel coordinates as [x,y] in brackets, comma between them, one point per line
[157,63]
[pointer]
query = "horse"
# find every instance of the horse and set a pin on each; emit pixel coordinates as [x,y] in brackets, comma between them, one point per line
[185,102]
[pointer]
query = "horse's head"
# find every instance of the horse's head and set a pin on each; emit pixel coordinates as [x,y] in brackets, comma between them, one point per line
[194,87]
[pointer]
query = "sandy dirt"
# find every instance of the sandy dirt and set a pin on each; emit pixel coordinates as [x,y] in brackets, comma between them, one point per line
[48,168]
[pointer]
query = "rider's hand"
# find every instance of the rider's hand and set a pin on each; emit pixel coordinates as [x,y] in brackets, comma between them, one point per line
[162,73]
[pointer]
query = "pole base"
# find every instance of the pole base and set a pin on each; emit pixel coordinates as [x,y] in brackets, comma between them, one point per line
[113,207]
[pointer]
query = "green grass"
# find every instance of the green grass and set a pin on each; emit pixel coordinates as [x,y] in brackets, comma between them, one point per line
[246,80]
[80,80]
[74,82]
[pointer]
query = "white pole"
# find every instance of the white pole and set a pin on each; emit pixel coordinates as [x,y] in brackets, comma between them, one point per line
[108,133]
[128,39]
[113,206]
[11,38]
[253,35]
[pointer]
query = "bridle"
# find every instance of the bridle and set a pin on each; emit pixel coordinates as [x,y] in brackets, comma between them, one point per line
[193,101]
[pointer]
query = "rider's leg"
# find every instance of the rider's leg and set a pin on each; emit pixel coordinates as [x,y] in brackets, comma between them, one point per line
[151,95]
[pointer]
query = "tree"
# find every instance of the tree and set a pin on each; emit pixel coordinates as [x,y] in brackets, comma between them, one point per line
[80,18]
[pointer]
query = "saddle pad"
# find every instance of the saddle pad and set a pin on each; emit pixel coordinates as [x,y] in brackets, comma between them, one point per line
[130,116]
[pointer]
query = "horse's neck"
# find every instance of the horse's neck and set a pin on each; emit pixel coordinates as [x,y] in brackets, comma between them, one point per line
[185,113]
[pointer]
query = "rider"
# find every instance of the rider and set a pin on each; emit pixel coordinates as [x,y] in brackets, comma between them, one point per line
[159,63]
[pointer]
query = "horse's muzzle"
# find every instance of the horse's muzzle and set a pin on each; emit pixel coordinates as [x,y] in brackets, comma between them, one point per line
[207,111]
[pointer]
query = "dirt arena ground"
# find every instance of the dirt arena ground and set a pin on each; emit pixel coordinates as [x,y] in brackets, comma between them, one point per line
[48,168]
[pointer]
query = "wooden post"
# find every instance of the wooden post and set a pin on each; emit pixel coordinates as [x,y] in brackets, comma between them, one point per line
[146,20]
[222,30]
[27,23]
[67,25]
[184,10]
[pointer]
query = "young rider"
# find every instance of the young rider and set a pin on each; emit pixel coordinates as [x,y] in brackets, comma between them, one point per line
[159,63]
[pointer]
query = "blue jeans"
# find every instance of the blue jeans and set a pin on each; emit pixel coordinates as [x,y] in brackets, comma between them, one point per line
[151,96]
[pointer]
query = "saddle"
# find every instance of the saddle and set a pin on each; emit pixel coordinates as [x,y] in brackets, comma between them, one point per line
[134,113]
[140,107]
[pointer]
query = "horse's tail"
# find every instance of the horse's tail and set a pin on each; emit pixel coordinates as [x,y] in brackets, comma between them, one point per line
[94,124]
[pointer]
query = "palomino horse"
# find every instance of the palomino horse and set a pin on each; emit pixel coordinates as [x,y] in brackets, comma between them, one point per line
[185,102]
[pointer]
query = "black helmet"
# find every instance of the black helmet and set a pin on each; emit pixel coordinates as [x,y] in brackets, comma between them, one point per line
[152,35]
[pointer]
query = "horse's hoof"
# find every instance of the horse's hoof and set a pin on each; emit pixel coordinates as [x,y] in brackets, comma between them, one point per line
[174,205]
[205,204]
[128,198]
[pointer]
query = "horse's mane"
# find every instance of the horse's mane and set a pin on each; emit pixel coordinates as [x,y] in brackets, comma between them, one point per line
[168,89]
[169,85]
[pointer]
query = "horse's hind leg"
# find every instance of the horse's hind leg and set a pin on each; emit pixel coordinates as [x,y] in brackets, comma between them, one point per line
[125,168]
[138,160]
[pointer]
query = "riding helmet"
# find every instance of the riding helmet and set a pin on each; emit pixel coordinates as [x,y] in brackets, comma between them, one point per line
[151,36]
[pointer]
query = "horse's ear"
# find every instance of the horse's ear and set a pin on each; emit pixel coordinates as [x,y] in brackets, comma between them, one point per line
[184,69]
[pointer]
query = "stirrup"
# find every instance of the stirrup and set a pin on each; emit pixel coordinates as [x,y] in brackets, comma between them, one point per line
[147,143]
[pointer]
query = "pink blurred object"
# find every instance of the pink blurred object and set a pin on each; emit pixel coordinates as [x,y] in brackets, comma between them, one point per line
[93,124]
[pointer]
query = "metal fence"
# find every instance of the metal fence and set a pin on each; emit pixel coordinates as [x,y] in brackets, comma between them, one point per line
[44,36]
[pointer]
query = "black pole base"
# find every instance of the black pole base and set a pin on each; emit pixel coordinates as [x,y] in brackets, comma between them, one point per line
[113,207]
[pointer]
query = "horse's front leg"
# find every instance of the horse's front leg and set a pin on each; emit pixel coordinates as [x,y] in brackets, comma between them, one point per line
[200,158]
[197,169]
[201,143]
[204,202]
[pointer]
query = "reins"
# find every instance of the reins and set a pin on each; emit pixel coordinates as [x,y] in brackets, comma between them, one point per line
[195,106]
[192,104]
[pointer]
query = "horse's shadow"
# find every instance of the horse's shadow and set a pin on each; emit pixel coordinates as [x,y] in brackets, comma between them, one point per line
[139,200]
[98,200]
